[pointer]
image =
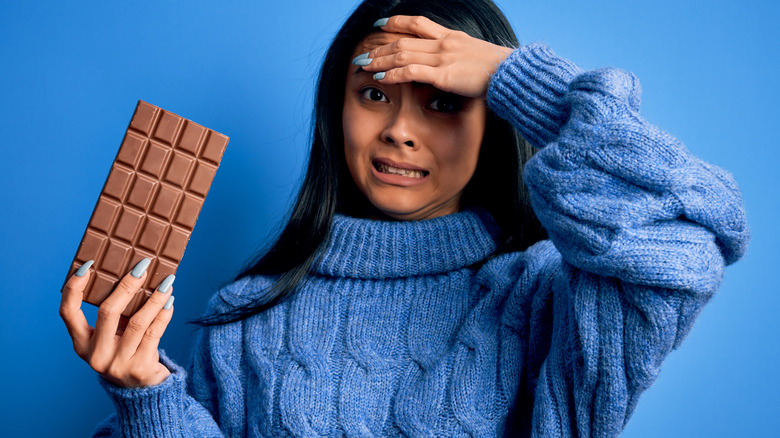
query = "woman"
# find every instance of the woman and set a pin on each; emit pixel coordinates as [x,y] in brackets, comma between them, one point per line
[411,292]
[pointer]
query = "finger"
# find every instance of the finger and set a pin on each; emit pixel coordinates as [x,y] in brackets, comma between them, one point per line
[111,309]
[70,308]
[405,45]
[139,323]
[147,349]
[403,59]
[415,25]
[412,73]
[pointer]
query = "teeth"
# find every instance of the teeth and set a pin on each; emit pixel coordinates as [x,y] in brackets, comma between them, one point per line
[384,168]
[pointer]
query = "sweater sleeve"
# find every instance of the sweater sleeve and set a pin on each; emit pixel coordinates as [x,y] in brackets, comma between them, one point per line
[644,230]
[181,406]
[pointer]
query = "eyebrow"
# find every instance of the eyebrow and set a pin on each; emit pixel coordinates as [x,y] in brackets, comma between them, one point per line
[359,70]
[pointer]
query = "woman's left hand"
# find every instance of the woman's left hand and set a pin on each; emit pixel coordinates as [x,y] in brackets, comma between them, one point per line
[449,60]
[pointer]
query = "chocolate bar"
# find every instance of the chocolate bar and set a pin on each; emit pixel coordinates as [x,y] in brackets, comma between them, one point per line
[150,202]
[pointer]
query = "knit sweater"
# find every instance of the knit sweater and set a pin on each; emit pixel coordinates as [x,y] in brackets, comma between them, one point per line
[422,329]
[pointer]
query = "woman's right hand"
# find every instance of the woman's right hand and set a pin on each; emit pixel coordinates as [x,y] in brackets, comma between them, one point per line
[124,354]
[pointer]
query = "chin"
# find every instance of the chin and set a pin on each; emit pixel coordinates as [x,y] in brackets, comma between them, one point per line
[411,211]
[396,210]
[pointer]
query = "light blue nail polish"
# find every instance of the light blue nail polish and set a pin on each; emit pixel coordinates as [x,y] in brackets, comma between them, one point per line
[362,62]
[361,56]
[169,303]
[379,76]
[166,284]
[84,268]
[381,22]
[140,268]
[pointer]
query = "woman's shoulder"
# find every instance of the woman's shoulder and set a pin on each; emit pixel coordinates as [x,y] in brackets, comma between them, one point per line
[507,268]
[239,293]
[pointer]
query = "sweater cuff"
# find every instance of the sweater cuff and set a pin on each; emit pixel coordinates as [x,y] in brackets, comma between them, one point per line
[151,411]
[528,90]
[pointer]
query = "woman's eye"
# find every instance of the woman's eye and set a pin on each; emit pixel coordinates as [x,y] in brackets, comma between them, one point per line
[446,104]
[373,94]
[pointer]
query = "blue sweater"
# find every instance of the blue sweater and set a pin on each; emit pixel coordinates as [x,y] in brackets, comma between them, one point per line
[420,329]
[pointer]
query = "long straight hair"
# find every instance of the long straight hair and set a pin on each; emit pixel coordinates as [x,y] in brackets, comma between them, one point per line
[328,187]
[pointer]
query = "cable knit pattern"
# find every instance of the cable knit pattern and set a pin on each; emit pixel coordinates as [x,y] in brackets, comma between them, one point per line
[420,329]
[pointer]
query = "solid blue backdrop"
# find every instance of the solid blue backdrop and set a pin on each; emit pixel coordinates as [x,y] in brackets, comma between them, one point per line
[73,71]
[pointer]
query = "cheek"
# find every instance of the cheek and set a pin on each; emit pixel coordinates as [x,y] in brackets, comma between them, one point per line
[360,133]
[459,151]
[352,137]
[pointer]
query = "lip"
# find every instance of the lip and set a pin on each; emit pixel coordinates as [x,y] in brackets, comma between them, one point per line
[392,163]
[398,180]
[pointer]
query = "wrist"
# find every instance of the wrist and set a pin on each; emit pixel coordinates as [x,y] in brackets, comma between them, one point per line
[529,89]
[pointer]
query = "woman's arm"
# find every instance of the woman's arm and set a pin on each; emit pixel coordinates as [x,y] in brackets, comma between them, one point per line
[184,405]
[148,390]
[644,229]
[604,174]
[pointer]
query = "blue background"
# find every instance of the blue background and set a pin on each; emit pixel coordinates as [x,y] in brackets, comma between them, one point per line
[71,74]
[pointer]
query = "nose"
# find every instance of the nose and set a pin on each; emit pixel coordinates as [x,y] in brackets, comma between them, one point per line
[400,129]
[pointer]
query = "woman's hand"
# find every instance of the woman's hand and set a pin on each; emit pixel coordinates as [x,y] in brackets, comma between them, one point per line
[449,60]
[124,354]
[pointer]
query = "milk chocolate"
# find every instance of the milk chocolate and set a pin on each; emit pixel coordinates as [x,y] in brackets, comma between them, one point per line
[150,202]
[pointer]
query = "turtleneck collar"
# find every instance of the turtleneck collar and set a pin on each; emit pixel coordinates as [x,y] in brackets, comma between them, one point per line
[371,249]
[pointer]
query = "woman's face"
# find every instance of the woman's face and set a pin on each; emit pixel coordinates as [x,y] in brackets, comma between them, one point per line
[411,148]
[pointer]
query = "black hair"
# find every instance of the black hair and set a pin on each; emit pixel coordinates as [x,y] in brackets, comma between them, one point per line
[328,187]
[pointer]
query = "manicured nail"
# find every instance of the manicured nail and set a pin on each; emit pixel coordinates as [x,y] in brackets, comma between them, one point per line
[379,76]
[166,284]
[381,22]
[84,268]
[169,303]
[362,61]
[140,268]
[361,56]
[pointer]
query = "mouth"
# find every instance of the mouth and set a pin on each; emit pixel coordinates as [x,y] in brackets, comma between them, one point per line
[386,168]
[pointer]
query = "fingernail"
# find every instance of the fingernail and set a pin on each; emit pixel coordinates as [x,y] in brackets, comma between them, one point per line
[166,284]
[362,60]
[381,22]
[379,76]
[140,268]
[84,268]
[169,303]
